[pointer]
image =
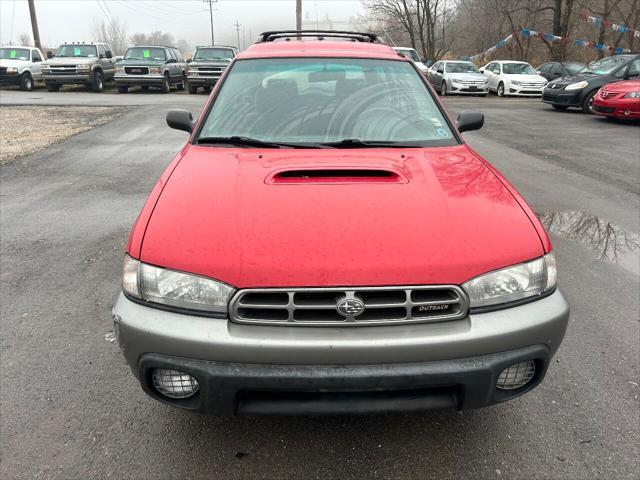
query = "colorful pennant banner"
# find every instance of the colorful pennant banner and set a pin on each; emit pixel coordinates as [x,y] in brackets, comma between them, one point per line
[549,37]
[598,22]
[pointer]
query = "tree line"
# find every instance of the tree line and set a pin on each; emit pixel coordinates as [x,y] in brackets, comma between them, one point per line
[464,28]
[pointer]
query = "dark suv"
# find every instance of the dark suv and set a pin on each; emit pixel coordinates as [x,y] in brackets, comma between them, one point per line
[208,65]
[151,66]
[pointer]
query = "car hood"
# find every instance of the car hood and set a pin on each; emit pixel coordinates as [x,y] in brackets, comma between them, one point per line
[7,62]
[577,78]
[71,61]
[467,76]
[526,78]
[440,217]
[623,86]
[217,63]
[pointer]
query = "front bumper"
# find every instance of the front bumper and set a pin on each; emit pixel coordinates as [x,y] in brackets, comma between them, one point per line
[10,79]
[459,89]
[572,98]
[133,80]
[63,78]
[626,109]
[151,335]
[202,81]
[523,91]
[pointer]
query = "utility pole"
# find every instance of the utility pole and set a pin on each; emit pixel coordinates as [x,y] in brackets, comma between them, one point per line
[298,14]
[34,24]
[211,2]
[237,26]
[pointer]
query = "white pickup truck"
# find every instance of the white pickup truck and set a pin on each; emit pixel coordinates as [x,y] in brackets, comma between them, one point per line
[20,65]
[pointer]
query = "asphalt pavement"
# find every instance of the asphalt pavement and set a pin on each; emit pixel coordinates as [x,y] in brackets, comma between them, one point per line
[72,409]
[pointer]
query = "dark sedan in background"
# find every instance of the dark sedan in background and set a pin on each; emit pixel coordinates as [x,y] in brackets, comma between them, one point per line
[578,90]
[553,70]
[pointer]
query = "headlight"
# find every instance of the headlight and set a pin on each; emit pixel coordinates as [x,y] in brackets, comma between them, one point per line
[632,95]
[192,71]
[576,86]
[515,82]
[12,70]
[119,69]
[175,289]
[514,283]
[155,70]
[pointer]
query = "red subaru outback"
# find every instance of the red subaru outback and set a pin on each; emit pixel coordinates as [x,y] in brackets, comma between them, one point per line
[326,242]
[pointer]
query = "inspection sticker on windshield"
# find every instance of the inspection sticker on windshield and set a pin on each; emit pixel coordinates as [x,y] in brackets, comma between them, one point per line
[12,54]
[442,132]
[145,53]
[76,51]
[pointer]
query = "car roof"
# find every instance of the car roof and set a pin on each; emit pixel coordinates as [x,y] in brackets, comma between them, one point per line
[18,46]
[151,46]
[321,48]
[510,61]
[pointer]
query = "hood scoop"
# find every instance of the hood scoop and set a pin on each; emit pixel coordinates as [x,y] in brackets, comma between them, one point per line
[333,175]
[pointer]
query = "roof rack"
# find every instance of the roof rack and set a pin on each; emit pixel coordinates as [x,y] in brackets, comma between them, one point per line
[320,35]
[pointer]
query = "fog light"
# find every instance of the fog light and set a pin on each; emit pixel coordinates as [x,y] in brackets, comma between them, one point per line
[174,384]
[516,375]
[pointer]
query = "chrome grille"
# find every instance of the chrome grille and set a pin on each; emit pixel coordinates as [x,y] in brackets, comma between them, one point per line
[64,69]
[211,71]
[319,306]
[136,70]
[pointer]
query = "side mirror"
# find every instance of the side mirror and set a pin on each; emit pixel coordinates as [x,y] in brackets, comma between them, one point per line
[50,54]
[180,120]
[629,75]
[467,121]
[539,72]
[440,70]
[189,60]
[109,54]
[482,70]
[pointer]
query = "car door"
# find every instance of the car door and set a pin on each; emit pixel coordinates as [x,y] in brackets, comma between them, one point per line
[181,66]
[172,64]
[109,65]
[490,72]
[36,62]
[556,71]
[543,70]
[431,73]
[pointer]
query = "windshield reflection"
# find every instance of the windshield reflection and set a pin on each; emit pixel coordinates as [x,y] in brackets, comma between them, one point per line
[608,241]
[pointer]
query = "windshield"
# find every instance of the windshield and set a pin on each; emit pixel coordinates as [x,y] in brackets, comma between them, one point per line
[145,53]
[77,51]
[14,54]
[604,66]
[409,52]
[572,68]
[213,54]
[459,67]
[518,69]
[318,100]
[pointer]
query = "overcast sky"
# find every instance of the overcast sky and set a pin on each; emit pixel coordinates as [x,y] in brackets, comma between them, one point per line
[71,20]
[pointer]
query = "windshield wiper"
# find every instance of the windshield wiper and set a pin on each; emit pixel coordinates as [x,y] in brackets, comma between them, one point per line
[357,143]
[253,142]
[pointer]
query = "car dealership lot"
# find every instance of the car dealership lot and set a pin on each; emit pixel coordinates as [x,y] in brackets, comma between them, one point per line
[70,408]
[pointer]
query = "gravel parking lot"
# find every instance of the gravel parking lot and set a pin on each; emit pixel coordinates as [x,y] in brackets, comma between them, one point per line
[29,129]
[71,409]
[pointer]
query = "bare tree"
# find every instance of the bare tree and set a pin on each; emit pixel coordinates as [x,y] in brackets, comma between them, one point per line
[154,38]
[24,39]
[113,32]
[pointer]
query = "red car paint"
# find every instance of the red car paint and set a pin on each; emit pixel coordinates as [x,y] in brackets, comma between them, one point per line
[443,215]
[610,100]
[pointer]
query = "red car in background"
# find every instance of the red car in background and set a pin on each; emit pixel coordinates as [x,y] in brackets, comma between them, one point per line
[618,100]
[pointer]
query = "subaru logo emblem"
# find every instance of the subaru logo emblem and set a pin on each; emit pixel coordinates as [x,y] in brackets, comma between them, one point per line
[350,307]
